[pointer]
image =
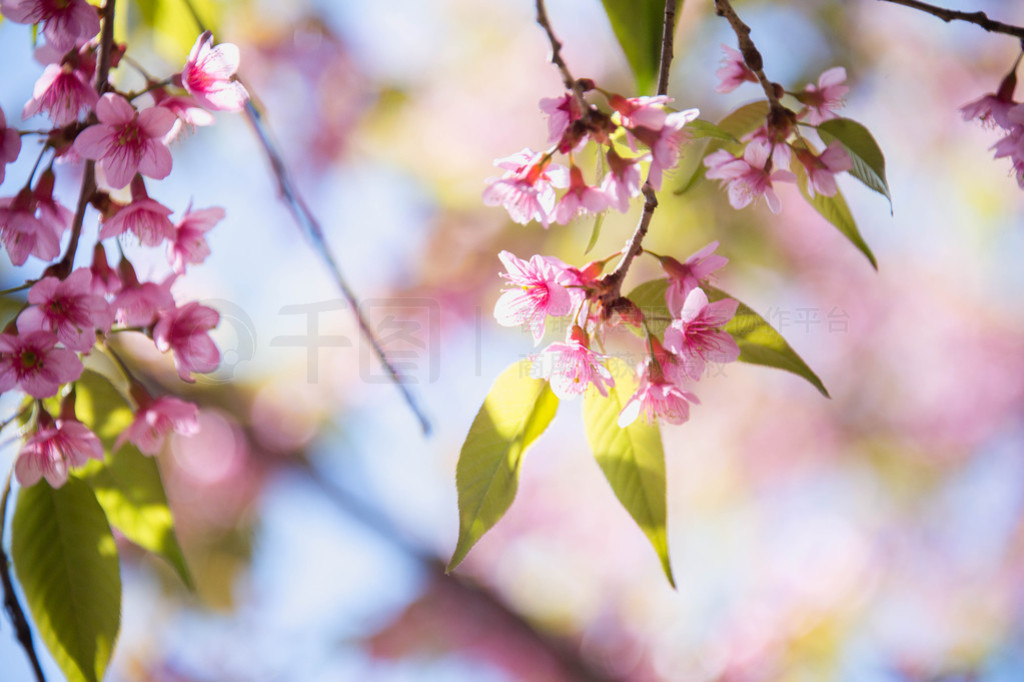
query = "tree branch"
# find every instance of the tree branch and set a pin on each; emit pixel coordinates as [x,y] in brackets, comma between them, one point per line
[977,18]
[751,55]
[571,83]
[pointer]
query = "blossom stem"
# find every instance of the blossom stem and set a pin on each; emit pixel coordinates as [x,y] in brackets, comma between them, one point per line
[153,85]
[16,289]
[977,18]
[571,83]
[11,604]
[35,167]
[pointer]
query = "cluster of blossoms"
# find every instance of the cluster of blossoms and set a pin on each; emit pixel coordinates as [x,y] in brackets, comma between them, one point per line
[777,144]
[999,110]
[69,310]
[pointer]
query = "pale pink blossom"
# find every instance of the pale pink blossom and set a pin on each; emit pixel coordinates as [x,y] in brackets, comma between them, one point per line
[53,450]
[138,304]
[10,145]
[156,420]
[733,71]
[104,277]
[562,113]
[822,100]
[1012,146]
[571,366]
[696,335]
[537,288]
[687,276]
[775,142]
[63,92]
[208,72]
[188,244]
[66,23]
[822,170]
[54,215]
[184,331]
[146,218]
[641,112]
[579,198]
[185,108]
[527,190]
[622,181]
[748,177]
[126,142]
[32,363]
[991,110]
[23,233]
[67,308]
[664,143]
[657,399]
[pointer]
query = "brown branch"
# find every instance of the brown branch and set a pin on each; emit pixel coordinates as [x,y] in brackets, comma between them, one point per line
[977,18]
[571,83]
[751,56]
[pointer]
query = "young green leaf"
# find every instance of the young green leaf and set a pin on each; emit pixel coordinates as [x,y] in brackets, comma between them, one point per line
[127,483]
[744,120]
[867,157]
[700,129]
[649,297]
[631,458]
[66,561]
[638,27]
[514,414]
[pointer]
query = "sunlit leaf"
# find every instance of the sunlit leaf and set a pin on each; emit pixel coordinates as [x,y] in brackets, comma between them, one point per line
[631,458]
[736,124]
[700,129]
[516,411]
[638,26]
[867,157]
[66,561]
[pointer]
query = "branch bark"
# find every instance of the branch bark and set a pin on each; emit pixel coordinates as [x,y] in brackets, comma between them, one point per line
[977,18]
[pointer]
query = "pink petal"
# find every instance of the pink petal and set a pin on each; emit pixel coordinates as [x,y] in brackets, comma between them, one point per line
[156,161]
[113,109]
[93,142]
[156,121]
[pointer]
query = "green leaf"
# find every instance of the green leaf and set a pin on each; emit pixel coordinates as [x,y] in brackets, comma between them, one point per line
[759,343]
[834,210]
[867,157]
[638,26]
[66,561]
[632,458]
[700,129]
[736,124]
[127,483]
[595,233]
[514,414]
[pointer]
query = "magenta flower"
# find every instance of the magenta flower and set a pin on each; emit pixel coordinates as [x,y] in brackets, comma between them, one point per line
[822,100]
[537,288]
[155,421]
[51,212]
[32,363]
[208,72]
[665,142]
[562,113]
[184,332]
[66,23]
[696,335]
[54,449]
[67,308]
[622,181]
[145,218]
[104,277]
[10,145]
[188,245]
[126,142]
[527,188]
[733,71]
[685,277]
[63,92]
[821,170]
[185,108]
[748,177]
[656,398]
[23,233]
[138,304]
[991,110]
[1012,145]
[580,198]
[571,366]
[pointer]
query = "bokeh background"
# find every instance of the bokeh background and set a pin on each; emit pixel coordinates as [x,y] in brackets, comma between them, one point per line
[876,536]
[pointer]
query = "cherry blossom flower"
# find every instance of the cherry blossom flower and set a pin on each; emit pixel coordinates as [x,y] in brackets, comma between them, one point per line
[66,23]
[774,141]
[207,75]
[188,245]
[747,177]
[687,276]
[580,198]
[154,421]
[562,113]
[145,218]
[63,92]
[655,398]
[51,212]
[665,142]
[126,142]
[990,110]
[733,71]
[1012,145]
[32,363]
[622,181]
[641,112]
[821,170]
[571,366]
[53,450]
[187,110]
[10,145]
[527,188]
[696,335]
[537,288]
[104,277]
[184,332]
[138,304]
[69,308]
[23,233]
[822,100]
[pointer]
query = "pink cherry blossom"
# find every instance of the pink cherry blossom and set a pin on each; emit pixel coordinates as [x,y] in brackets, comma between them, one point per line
[562,113]
[622,181]
[821,170]
[641,112]
[10,145]
[23,233]
[126,142]
[31,363]
[145,218]
[156,420]
[54,449]
[655,398]
[822,100]
[104,277]
[185,108]
[665,142]
[537,288]
[696,337]
[527,188]
[51,212]
[571,366]
[991,110]
[580,198]
[68,308]
[775,142]
[747,177]
[207,75]
[66,23]
[138,304]
[188,245]
[1012,146]
[733,71]
[184,331]
[63,92]
[685,277]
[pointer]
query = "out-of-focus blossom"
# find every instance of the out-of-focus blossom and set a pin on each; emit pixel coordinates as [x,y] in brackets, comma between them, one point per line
[687,276]
[537,288]
[571,366]
[641,112]
[208,72]
[656,398]
[104,277]
[53,450]
[562,112]
[665,142]
[579,198]
[527,190]
[822,170]
[144,217]
[733,71]
[137,304]
[185,332]
[63,92]
[188,244]
[153,423]
[990,110]
[187,110]
[822,100]
[10,145]
[68,308]
[66,23]
[23,233]
[696,334]
[747,177]
[622,181]
[51,212]
[32,363]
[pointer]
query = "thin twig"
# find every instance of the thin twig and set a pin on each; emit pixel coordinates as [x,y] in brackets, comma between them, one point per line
[977,18]
[11,604]
[571,83]
[751,55]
